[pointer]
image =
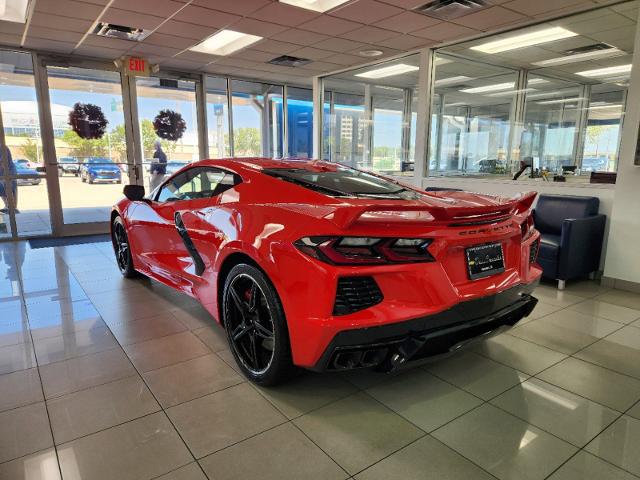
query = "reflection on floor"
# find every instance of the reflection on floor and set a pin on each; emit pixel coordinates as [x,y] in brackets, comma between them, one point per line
[32,223]
[106,378]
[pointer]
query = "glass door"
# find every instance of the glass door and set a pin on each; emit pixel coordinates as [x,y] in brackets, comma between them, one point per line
[24,195]
[163,105]
[89,134]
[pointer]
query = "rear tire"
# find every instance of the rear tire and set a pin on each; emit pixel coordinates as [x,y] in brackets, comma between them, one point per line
[122,248]
[256,326]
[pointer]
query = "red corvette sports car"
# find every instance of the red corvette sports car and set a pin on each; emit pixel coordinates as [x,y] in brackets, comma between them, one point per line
[317,265]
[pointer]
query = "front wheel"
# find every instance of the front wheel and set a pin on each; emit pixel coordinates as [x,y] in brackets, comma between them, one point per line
[121,248]
[256,326]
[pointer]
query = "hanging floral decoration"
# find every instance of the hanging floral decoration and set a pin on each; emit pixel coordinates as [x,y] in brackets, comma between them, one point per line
[169,125]
[88,121]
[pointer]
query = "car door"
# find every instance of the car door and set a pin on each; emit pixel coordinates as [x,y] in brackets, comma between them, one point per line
[167,229]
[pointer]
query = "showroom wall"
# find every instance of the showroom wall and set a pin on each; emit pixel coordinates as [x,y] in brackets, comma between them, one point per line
[623,256]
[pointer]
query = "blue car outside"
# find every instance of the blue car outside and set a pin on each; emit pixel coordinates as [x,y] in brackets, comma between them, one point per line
[22,170]
[97,169]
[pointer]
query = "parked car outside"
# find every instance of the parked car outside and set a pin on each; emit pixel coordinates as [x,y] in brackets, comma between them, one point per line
[68,165]
[22,169]
[100,169]
[24,162]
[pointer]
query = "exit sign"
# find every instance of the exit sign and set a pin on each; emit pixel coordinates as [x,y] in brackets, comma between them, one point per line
[136,66]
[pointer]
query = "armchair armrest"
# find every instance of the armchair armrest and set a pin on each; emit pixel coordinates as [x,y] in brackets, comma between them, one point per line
[581,246]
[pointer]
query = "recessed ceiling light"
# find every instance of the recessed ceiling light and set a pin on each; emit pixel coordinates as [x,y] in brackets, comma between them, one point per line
[389,71]
[606,72]
[511,93]
[560,100]
[525,40]
[315,5]
[14,10]
[452,81]
[490,88]
[225,42]
[501,86]
[371,53]
[580,57]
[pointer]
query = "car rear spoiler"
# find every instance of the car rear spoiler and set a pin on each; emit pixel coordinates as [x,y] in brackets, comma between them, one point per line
[346,216]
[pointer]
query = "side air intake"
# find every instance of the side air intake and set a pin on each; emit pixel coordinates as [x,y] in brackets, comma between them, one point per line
[355,294]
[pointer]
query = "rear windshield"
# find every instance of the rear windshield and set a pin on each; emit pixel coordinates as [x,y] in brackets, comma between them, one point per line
[344,182]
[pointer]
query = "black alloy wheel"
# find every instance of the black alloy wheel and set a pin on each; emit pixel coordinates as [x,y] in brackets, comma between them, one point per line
[121,248]
[256,326]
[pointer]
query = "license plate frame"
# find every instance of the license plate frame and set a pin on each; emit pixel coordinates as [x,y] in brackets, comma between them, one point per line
[484,260]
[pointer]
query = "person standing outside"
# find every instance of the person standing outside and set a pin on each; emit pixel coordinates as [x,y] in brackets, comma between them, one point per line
[5,159]
[158,167]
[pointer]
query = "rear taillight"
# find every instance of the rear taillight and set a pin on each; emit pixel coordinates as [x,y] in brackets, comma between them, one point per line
[366,250]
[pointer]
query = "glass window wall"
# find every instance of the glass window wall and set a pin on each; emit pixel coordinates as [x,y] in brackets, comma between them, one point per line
[300,122]
[91,170]
[604,127]
[470,125]
[257,119]
[549,136]
[156,95]
[21,186]
[370,117]
[218,117]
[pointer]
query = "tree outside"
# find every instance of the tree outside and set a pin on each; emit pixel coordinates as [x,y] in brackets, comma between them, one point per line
[595,134]
[247,142]
[31,150]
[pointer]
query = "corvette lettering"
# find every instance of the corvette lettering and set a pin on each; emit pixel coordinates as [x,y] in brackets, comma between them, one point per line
[484,230]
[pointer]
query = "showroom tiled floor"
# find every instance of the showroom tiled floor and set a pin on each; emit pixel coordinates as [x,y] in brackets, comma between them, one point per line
[107,378]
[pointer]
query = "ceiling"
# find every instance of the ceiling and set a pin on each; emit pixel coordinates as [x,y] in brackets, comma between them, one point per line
[332,40]
[614,25]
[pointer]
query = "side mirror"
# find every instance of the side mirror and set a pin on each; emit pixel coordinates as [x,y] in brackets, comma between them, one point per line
[41,169]
[135,193]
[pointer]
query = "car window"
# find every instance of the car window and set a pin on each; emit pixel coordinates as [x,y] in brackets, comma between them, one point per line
[195,183]
[343,182]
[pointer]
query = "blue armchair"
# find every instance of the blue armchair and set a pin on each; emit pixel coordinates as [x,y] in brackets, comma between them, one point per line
[572,234]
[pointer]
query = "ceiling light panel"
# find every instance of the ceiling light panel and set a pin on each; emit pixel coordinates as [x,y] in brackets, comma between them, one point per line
[560,100]
[490,88]
[315,5]
[389,71]
[501,86]
[225,42]
[452,81]
[14,10]
[515,42]
[580,57]
[606,72]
